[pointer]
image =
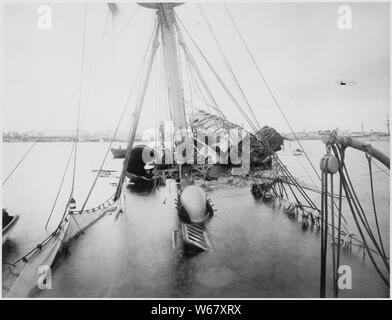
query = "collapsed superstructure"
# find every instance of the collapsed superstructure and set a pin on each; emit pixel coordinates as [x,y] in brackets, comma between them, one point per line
[260,156]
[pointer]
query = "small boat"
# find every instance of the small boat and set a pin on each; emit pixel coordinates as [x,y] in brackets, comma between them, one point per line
[118,153]
[298,152]
[8,224]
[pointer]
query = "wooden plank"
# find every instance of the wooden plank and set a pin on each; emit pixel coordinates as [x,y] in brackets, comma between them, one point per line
[196,235]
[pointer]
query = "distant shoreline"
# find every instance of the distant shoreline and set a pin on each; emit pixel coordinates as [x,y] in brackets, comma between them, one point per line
[66,139]
[60,140]
[368,138]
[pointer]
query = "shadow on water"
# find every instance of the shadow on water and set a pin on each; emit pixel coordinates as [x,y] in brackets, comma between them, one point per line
[141,187]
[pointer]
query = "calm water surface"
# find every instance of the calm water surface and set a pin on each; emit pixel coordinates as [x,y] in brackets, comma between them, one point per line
[258,250]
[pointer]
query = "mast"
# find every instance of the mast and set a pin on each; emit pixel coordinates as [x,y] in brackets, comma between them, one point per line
[167,26]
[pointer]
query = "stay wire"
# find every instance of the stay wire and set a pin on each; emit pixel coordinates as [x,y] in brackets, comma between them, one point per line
[240,108]
[227,63]
[362,215]
[80,97]
[118,125]
[94,71]
[269,89]
[66,213]
[61,185]
[237,104]
[339,229]
[67,101]
[348,196]
[374,204]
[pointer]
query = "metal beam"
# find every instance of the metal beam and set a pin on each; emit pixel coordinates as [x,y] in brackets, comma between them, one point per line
[358,145]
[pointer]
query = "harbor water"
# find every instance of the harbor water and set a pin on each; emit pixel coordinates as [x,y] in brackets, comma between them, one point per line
[258,251]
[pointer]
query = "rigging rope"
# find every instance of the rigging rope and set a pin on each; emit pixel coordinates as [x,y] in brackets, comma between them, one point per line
[334,277]
[362,215]
[136,114]
[236,103]
[259,137]
[66,212]
[66,103]
[268,88]
[195,87]
[336,293]
[228,92]
[61,185]
[324,228]
[228,65]
[96,64]
[306,171]
[114,40]
[40,246]
[270,91]
[80,97]
[369,158]
[189,82]
[194,77]
[40,135]
[381,169]
[118,125]
[99,59]
[350,198]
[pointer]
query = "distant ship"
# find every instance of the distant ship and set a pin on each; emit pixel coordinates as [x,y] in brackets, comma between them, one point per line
[298,152]
[118,153]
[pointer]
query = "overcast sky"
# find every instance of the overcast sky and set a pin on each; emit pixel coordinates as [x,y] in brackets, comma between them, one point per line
[299,47]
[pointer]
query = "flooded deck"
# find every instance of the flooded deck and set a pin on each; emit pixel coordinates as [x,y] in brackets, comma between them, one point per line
[258,252]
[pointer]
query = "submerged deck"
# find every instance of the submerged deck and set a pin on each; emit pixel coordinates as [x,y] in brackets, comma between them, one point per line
[258,252]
